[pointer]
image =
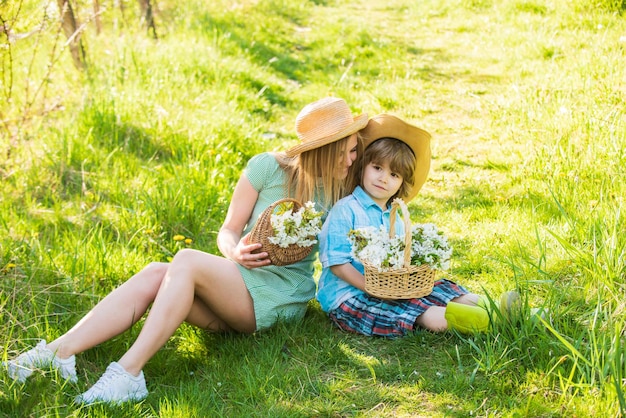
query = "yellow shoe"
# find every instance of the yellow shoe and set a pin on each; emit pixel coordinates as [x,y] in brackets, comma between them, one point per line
[466,318]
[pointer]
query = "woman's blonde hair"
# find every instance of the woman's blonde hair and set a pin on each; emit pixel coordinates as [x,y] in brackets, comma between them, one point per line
[311,174]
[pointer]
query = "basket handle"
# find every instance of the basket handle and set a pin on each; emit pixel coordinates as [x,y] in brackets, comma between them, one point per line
[266,215]
[399,203]
[296,204]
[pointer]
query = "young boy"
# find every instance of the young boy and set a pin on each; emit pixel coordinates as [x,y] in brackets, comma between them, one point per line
[395,163]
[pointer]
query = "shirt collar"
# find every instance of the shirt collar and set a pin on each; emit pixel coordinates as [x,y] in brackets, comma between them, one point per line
[364,199]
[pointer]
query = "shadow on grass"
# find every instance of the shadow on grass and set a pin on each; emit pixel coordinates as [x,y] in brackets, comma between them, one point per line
[310,368]
[313,369]
[298,59]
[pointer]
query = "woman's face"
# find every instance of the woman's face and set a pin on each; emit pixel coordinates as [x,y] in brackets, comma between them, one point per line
[348,156]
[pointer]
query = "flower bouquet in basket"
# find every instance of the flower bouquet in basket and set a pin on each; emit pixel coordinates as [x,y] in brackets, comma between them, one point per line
[287,230]
[400,267]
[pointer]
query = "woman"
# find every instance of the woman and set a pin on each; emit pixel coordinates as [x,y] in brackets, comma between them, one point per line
[240,292]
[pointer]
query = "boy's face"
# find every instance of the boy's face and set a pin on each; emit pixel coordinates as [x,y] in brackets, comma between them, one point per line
[380,182]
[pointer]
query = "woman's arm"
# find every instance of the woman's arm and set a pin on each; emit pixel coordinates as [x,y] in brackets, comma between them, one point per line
[348,273]
[229,239]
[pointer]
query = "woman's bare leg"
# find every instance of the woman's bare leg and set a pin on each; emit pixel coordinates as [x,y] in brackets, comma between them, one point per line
[200,288]
[114,314]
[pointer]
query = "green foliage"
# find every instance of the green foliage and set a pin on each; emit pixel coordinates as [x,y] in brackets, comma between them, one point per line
[106,170]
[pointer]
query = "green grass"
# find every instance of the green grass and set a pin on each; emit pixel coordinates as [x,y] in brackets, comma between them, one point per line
[526,103]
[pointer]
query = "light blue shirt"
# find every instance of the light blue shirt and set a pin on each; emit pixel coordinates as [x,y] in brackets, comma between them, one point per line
[357,210]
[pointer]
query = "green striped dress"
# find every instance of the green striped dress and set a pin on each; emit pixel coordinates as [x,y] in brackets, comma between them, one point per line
[278,292]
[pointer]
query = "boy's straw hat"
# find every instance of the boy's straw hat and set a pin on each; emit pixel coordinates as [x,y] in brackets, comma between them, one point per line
[390,126]
[323,122]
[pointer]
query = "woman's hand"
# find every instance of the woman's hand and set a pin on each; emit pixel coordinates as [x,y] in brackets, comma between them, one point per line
[244,254]
[229,239]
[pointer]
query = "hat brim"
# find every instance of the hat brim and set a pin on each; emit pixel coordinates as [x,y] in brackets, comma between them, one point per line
[390,126]
[359,123]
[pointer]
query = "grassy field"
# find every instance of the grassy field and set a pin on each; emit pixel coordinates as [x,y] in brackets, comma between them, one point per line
[101,168]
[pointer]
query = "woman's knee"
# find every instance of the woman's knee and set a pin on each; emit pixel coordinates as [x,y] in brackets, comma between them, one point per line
[182,257]
[188,260]
[148,281]
[154,272]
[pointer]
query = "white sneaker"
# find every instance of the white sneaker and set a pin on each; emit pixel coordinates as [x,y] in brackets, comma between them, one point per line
[40,356]
[115,386]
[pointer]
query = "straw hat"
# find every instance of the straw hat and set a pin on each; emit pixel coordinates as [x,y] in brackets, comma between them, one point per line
[323,122]
[390,126]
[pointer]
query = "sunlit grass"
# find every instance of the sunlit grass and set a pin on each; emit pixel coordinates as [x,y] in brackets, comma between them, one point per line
[136,158]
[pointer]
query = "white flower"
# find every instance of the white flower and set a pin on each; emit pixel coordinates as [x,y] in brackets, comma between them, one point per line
[428,246]
[300,227]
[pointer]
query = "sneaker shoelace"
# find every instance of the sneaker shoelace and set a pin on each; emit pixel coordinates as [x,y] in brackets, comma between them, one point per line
[102,383]
[36,356]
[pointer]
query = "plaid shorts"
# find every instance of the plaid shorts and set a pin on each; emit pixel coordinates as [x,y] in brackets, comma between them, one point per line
[369,315]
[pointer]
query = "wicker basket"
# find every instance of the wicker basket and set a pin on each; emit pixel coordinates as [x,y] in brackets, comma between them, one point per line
[263,230]
[406,282]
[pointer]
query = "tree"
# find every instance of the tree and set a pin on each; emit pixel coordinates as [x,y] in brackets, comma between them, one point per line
[71,30]
[147,16]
